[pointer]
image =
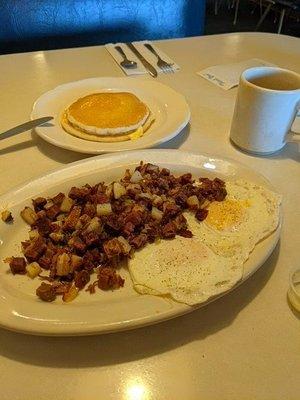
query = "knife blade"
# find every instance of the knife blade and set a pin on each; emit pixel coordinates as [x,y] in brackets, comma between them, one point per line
[24,127]
[152,71]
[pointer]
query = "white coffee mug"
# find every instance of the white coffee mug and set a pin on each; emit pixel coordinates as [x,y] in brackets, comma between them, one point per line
[267,103]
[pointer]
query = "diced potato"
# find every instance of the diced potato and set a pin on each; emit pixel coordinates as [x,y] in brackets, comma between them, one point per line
[156,213]
[205,204]
[33,269]
[136,177]
[128,202]
[48,205]
[146,196]
[94,225]
[71,294]
[61,218]
[33,234]
[66,204]
[83,222]
[118,190]
[78,225]
[109,190]
[75,261]
[6,216]
[126,246]
[63,264]
[57,237]
[193,201]
[104,209]
[29,215]
[58,223]
[71,241]
[157,200]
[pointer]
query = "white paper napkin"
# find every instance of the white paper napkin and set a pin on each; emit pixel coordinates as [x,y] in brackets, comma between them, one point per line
[151,58]
[227,76]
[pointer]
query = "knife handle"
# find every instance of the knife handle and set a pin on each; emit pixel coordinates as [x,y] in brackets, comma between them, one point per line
[152,71]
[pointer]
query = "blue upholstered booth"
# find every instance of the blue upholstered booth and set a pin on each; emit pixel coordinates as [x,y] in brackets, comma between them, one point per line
[44,24]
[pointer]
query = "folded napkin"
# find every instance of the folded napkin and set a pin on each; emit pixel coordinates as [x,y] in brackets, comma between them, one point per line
[150,57]
[227,76]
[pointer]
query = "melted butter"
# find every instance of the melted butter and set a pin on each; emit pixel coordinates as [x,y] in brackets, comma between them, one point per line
[137,134]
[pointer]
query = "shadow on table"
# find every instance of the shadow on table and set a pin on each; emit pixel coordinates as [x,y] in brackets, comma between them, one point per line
[118,348]
[290,151]
[17,147]
[294,311]
[56,153]
[66,156]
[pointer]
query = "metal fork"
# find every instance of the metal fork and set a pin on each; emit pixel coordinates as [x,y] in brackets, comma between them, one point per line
[162,64]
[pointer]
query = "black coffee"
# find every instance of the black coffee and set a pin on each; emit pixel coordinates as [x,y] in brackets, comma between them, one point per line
[277,81]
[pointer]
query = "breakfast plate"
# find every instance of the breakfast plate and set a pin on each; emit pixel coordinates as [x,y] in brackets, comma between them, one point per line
[169,108]
[106,311]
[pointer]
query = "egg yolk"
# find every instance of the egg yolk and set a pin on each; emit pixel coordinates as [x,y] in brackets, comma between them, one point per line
[226,214]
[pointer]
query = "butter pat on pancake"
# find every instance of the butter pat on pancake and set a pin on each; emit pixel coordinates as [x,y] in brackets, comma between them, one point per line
[108,113]
[184,269]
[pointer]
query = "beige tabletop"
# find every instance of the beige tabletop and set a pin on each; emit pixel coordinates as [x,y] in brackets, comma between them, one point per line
[245,345]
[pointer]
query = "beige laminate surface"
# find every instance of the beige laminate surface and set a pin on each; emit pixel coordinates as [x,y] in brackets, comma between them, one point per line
[246,345]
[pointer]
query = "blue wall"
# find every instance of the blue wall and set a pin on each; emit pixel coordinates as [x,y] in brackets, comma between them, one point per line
[34,24]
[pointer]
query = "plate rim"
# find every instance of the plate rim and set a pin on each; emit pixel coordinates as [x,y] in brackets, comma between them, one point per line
[137,82]
[65,328]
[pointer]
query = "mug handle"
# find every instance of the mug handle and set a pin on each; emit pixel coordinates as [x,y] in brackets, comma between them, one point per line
[294,136]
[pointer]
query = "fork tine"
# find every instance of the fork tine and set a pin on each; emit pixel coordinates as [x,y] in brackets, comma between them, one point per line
[170,69]
[163,68]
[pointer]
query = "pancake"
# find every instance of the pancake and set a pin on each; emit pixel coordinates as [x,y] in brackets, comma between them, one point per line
[133,135]
[108,113]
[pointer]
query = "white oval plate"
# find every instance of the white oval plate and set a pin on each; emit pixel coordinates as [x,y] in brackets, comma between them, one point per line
[170,110]
[21,310]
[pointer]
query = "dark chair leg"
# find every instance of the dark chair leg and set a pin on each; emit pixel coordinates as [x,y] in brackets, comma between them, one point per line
[237,3]
[282,14]
[263,17]
[216,7]
[253,9]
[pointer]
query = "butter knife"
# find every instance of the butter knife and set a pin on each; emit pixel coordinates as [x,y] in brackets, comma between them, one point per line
[152,71]
[24,127]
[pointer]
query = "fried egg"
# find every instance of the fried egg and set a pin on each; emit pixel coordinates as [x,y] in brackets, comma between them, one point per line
[190,276]
[107,113]
[233,226]
[192,270]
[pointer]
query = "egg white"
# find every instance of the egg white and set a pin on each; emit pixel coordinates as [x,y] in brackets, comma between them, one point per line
[183,269]
[234,226]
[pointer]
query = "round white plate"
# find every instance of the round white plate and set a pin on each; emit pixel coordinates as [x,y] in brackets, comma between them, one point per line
[102,312]
[169,108]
